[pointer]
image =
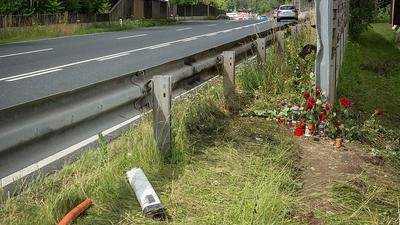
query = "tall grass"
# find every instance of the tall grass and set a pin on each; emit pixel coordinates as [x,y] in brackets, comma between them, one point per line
[284,76]
[217,173]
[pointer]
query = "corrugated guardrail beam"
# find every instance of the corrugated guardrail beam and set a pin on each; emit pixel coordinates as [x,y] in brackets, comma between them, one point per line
[27,123]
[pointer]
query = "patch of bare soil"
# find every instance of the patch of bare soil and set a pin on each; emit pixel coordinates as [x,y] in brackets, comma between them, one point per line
[322,164]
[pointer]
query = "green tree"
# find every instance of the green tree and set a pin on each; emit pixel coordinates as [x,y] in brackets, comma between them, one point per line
[15,7]
[51,7]
[362,14]
[104,6]
[72,6]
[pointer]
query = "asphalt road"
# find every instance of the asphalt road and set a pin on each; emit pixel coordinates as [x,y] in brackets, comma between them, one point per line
[37,69]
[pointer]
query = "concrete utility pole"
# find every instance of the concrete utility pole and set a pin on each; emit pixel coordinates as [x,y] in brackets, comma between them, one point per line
[332,26]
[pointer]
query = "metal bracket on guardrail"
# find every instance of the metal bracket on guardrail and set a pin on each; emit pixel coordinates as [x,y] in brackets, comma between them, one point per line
[162,104]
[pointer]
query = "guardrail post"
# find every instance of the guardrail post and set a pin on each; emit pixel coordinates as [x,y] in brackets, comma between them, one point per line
[293,30]
[280,38]
[261,52]
[229,77]
[162,104]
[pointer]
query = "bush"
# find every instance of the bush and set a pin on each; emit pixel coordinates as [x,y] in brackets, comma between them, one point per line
[362,14]
[383,14]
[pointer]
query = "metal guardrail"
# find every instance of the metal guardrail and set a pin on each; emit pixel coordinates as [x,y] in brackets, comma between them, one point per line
[35,120]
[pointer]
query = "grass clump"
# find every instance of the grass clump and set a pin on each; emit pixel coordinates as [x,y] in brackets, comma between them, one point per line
[13,34]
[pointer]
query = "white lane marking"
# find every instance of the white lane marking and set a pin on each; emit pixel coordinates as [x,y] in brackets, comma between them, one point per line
[24,53]
[212,25]
[182,29]
[189,39]
[159,46]
[211,34]
[227,31]
[227,22]
[133,36]
[26,74]
[33,75]
[113,57]
[63,153]
[129,51]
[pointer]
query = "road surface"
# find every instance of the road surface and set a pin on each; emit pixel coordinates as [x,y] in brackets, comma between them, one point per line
[38,69]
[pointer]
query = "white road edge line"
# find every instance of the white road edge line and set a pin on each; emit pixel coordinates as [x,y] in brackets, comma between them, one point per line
[53,158]
[182,29]
[133,36]
[24,53]
[189,39]
[129,51]
[33,75]
[212,25]
[113,57]
[159,46]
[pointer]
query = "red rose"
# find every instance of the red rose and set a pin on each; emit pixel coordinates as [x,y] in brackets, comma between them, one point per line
[299,132]
[306,95]
[317,91]
[323,116]
[378,111]
[310,103]
[345,102]
[327,106]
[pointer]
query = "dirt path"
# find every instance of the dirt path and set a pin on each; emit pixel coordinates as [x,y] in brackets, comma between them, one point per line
[322,165]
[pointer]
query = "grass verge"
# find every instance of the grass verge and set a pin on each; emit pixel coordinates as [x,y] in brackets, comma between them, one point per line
[14,34]
[371,78]
[223,169]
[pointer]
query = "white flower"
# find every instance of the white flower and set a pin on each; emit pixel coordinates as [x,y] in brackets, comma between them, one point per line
[319,102]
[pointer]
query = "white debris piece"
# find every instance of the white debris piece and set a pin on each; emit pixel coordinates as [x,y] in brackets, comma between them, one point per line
[145,194]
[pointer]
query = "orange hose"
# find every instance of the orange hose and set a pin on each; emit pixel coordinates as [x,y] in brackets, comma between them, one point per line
[75,212]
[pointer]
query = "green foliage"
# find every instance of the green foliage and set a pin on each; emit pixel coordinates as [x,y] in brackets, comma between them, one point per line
[22,7]
[73,6]
[383,14]
[51,7]
[184,2]
[362,14]
[104,7]
[10,7]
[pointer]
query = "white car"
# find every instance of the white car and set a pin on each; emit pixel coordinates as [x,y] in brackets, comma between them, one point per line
[287,12]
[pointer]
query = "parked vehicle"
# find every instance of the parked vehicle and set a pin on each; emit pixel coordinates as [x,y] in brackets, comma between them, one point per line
[223,17]
[263,17]
[287,12]
[232,15]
